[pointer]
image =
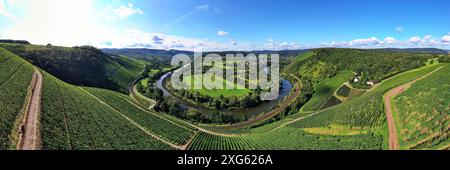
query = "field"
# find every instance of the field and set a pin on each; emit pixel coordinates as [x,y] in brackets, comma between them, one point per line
[157,125]
[355,93]
[238,91]
[324,90]
[423,113]
[343,91]
[72,119]
[15,78]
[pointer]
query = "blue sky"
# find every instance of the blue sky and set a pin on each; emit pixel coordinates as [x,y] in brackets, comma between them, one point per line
[229,24]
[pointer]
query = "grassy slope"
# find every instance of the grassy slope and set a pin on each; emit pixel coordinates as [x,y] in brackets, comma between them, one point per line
[125,70]
[325,89]
[298,61]
[423,112]
[15,78]
[85,66]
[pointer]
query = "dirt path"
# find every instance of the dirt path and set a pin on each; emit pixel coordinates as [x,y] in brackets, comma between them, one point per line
[29,138]
[393,137]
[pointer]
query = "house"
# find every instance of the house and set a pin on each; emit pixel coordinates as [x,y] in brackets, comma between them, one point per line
[372,82]
[356,79]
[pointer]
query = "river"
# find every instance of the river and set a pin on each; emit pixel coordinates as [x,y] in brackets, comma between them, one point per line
[286,87]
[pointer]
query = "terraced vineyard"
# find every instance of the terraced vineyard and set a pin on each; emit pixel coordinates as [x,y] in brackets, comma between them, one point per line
[423,112]
[15,78]
[366,110]
[162,127]
[72,119]
[205,141]
[286,139]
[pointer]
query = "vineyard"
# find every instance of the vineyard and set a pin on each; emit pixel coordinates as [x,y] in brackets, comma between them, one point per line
[366,110]
[285,139]
[15,79]
[341,117]
[423,112]
[72,119]
[162,127]
[343,91]
[205,141]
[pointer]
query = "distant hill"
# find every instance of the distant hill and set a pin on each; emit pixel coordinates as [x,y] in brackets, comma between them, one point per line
[86,66]
[150,53]
[15,41]
[418,50]
[143,52]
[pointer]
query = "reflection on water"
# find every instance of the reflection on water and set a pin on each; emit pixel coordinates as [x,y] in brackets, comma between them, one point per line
[286,87]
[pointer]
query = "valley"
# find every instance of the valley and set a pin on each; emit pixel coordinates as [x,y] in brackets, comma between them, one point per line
[127,103]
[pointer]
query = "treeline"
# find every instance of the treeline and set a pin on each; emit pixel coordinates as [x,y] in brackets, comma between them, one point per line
[221,102]
[370,65]
[15,41]
[152,73]
[172,107]
[306,93]
[84,66]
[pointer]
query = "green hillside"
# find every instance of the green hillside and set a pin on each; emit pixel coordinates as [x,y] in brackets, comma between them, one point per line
[324,91]
[15,80]
[286,138]
[73,119]
[298,61]
[85,65]
[160,126]
[80,117]
[423,112]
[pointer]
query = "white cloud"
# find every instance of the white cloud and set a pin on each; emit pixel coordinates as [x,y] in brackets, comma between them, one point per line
[365,42]
[399,29]
[273,45]
[222,33]
[446,38]
[415,39]
[140,39]
[233,43]
[202,7]
[390,40]
[125,11]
